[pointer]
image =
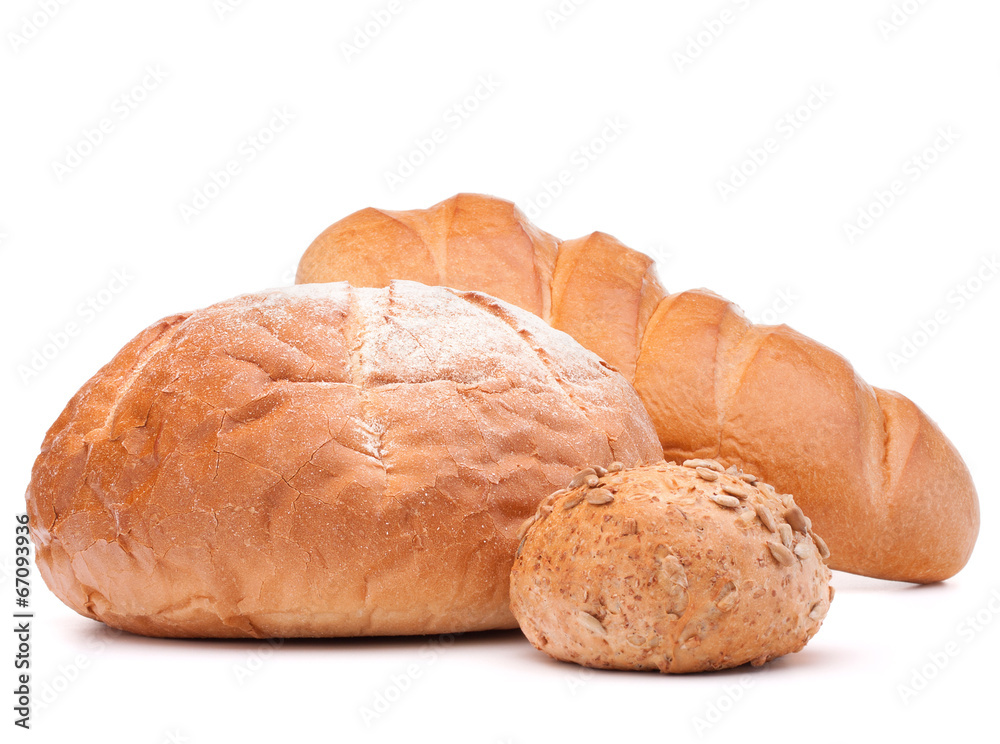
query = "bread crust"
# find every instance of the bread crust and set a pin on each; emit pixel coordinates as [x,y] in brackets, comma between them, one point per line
[880,479]
[670,568]
[320,461]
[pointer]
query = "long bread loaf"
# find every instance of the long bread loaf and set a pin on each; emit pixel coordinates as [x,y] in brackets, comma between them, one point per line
[878,478]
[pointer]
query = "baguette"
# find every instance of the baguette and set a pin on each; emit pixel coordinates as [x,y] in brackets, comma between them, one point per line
[878,478]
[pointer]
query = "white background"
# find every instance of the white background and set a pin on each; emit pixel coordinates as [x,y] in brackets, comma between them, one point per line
[888,91]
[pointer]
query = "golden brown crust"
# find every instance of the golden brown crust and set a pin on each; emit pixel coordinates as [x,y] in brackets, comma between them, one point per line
[602,295]
[466,242]
[680,569]
[878,477]
[320,461]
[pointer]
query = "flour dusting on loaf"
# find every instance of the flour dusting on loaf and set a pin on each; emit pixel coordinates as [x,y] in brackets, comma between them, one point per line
[320,461]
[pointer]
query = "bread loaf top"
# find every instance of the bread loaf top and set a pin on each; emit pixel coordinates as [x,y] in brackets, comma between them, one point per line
[320,461]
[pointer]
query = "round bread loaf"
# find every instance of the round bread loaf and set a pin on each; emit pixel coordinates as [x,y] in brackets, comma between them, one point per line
[320,461]
[681,569]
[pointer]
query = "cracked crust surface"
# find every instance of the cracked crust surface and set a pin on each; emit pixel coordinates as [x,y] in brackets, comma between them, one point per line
[320,461]
[670,568]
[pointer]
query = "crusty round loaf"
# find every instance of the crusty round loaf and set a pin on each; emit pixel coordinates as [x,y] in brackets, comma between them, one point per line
[320,461]
[680,569]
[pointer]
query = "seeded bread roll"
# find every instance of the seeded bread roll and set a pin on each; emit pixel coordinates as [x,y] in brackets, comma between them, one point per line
[680,569]
[881,481]
[320,461]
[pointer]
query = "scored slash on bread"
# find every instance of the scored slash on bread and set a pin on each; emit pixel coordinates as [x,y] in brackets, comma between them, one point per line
[878,477]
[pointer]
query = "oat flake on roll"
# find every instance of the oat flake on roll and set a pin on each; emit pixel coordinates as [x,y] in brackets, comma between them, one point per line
[320,461]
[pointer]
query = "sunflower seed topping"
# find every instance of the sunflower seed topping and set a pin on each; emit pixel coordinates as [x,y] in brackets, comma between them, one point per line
[765,517]
[674,580]
[818,611]
[824,551]
[520,547]
[786,534]
[727,597]
[706,474]
[598,496]
[738,489]
[796,519]
[615,467]
[555,495]
[574,500]
[781,554]
[592,624]
[710,464]
[579,478]
[730,502]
